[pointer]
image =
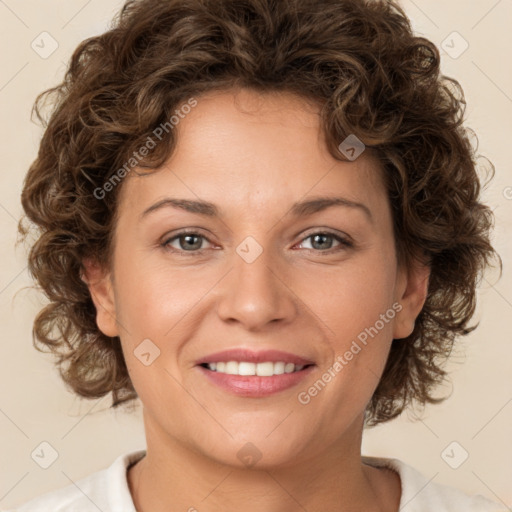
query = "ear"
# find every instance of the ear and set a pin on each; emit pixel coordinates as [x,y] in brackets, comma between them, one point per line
[99,282]
[411,290]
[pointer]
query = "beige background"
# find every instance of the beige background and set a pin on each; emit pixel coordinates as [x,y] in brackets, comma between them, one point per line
[36,407]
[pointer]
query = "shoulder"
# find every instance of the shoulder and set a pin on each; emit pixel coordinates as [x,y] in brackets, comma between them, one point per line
[421,494]
[106,490]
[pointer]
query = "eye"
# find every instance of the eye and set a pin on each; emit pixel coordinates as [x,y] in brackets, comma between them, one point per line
[187,241]
[322,241]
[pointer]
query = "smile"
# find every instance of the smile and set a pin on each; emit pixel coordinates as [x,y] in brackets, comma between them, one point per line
[276,378]
[265,369]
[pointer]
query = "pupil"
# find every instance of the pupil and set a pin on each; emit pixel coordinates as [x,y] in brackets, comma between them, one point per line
[193,246]
[321,237]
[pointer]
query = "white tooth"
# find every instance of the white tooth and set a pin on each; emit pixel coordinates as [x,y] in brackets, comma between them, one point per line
[265,369]
[289,367]
[278,368]
[245,368]
[232,368]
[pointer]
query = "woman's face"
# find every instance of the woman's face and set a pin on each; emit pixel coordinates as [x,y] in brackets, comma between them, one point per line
[257,272]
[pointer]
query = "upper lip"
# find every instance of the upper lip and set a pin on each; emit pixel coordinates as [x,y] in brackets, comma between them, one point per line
[261,356]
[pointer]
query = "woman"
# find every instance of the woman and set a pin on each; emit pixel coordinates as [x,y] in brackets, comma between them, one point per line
[199,156]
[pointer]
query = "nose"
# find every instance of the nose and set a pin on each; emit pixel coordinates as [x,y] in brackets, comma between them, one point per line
[256,293]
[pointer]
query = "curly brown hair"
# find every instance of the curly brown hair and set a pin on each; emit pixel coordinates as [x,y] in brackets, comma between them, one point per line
[358,59]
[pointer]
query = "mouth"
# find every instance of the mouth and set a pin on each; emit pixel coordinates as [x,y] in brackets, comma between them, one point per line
[247,368]
[254,374]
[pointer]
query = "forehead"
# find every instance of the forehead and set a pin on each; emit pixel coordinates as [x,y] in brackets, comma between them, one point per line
[249,150]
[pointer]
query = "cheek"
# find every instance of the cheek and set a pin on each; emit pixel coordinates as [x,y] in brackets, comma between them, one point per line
[357,314]
[159,308]
[351,298]
[356,308]
[154,298]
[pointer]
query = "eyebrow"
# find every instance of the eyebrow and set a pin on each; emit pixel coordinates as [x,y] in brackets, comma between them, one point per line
[299,209]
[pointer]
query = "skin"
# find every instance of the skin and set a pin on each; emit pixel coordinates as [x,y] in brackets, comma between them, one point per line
[254,155]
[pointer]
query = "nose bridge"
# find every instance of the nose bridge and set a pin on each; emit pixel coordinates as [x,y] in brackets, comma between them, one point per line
[254,293]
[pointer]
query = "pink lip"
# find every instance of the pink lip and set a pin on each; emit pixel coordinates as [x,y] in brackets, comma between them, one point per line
[241,354]
[253,385]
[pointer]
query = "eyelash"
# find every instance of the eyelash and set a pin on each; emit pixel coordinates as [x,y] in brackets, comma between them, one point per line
[344,243]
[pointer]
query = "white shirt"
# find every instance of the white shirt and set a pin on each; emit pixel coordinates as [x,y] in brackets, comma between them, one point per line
[107,491]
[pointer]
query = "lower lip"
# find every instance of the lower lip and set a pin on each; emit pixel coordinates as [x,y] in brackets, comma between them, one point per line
[253,385]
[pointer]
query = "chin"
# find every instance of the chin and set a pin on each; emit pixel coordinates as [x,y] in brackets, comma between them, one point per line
[259,452]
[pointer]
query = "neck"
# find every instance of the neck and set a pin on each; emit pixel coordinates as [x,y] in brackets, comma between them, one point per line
[172,476]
